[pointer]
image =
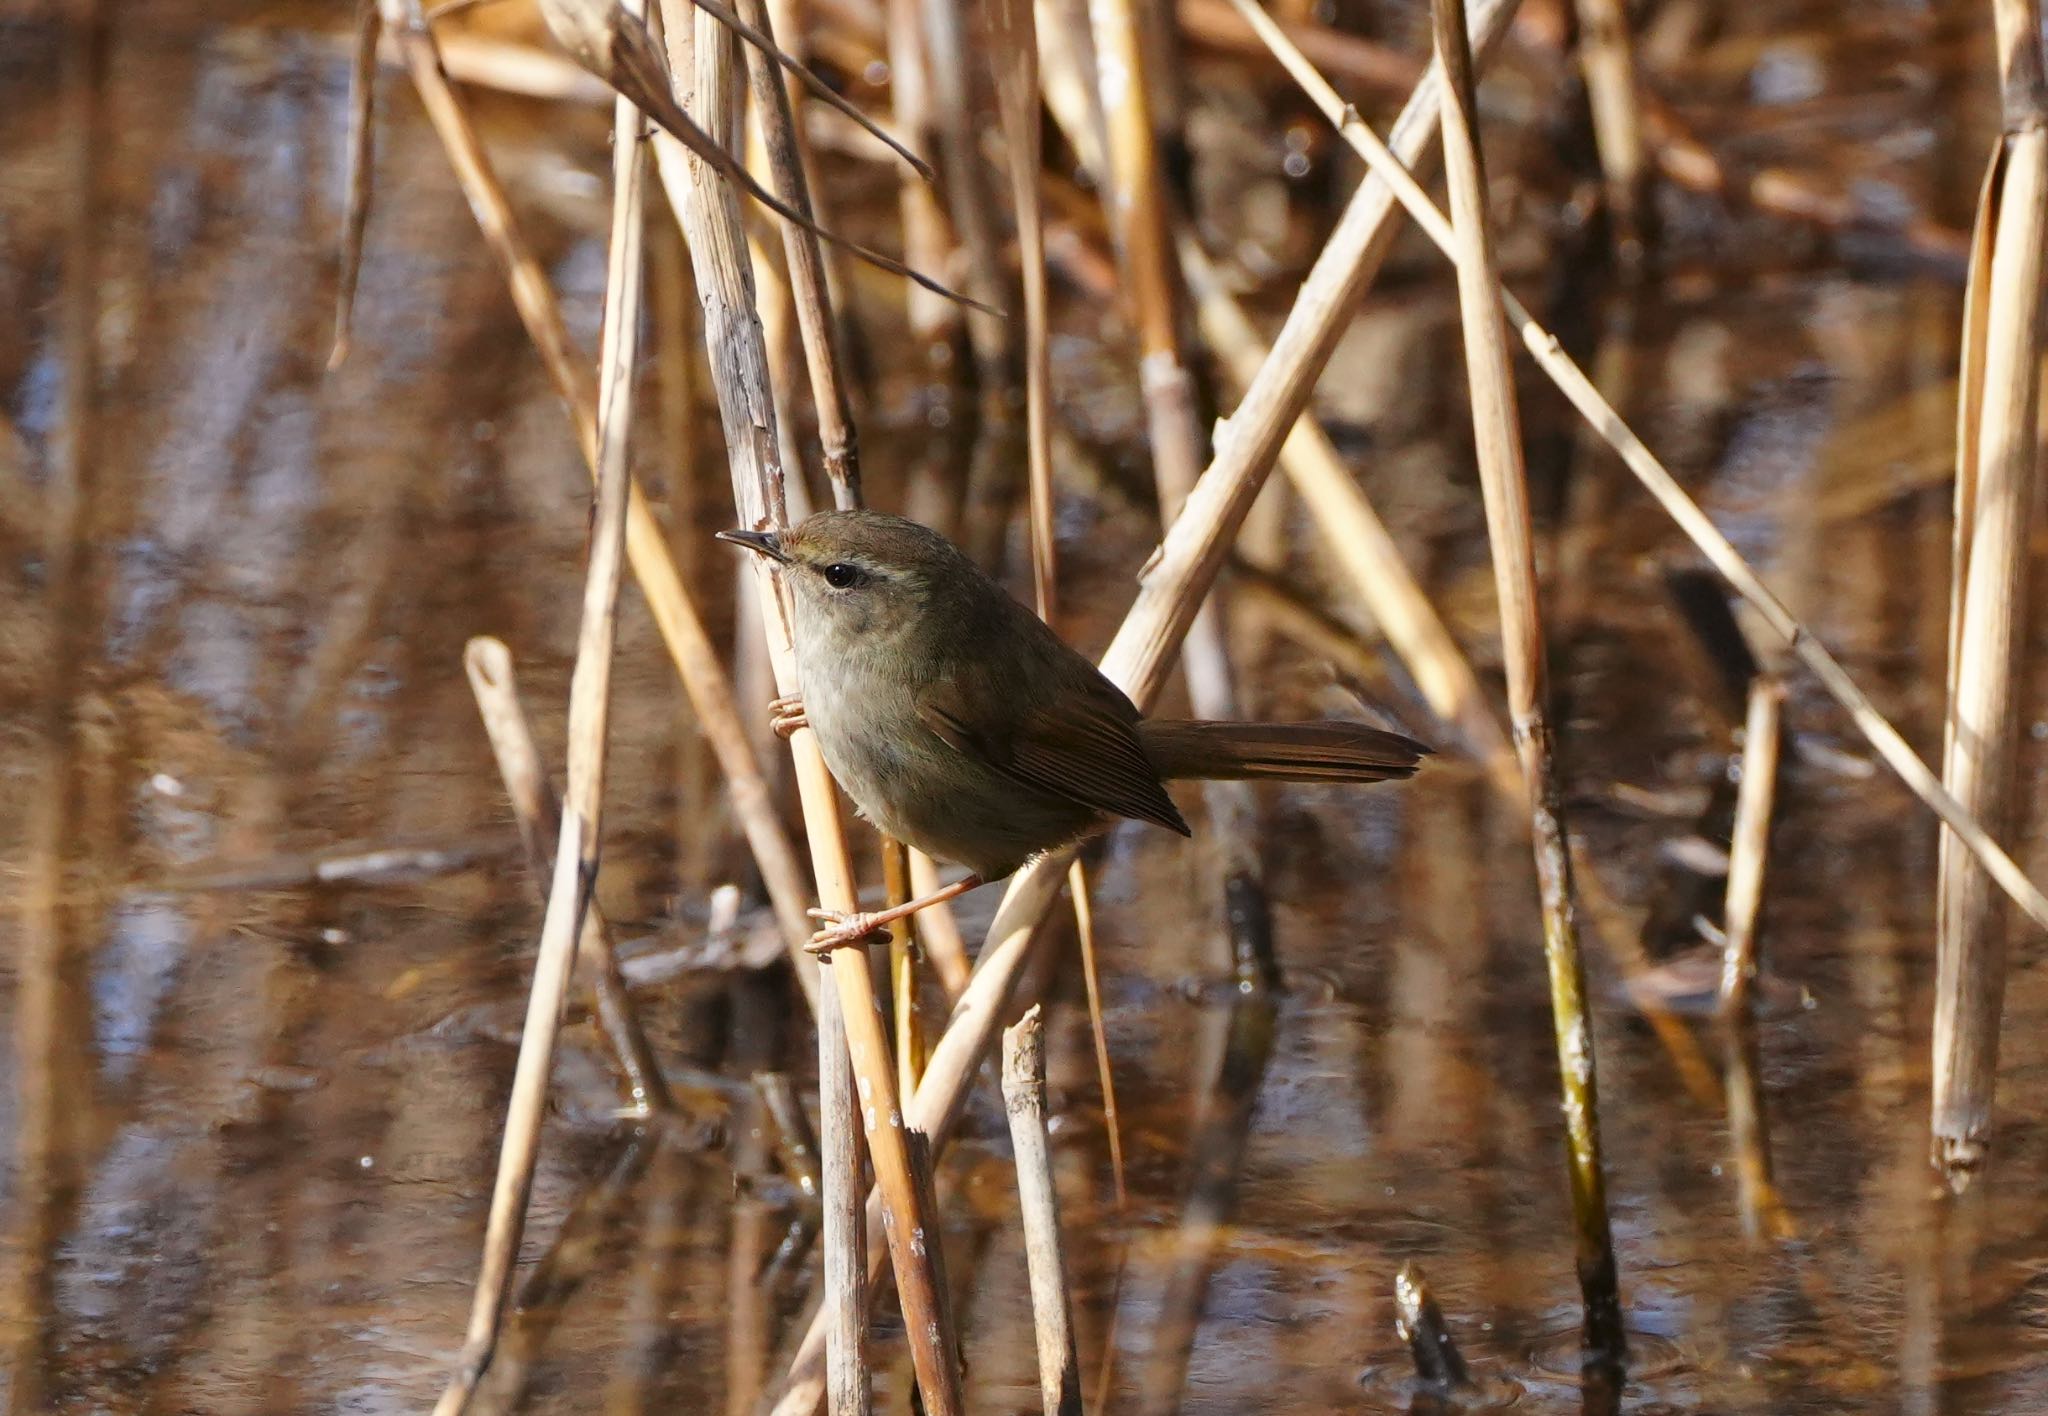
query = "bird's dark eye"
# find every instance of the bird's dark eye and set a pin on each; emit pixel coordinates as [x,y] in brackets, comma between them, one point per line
[841,576]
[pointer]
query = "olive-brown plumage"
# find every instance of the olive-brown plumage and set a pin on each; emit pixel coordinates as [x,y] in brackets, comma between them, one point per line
[959,723]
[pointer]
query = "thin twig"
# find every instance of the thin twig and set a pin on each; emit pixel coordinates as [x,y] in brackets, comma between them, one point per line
[1750,843]
[575,874]
[1059,1362]
[1503,483]
[1091,979]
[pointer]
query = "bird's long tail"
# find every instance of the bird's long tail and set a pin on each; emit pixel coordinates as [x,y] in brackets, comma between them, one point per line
[1284,752]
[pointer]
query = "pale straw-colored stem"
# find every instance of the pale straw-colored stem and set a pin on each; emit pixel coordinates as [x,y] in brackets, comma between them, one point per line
[1997,469]
[1750,842]
[1059,1363]
[539,815]
[1607,58]
[575,874]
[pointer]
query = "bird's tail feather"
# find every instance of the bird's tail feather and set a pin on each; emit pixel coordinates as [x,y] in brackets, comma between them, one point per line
[1283,752]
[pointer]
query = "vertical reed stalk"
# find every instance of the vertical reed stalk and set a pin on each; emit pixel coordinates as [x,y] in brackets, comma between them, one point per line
[711,218]
[575,874]
[1504,485]
[903,968]
[1135,192]
[675,613]
[1140,659]
[1059,1363]
[1750,845]
[539,815]
[1607,58]
[1995,513]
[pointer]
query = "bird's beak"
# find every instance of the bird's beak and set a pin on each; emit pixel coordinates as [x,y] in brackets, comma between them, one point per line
[765,542]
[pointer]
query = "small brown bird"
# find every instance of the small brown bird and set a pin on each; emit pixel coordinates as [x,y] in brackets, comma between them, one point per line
[960,724]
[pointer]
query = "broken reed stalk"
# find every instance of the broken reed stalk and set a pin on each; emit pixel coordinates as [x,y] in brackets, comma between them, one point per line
[711,220]
[1179,574]
[1059,1361]
[1715,547]
[675,614]
[1137,204]
[575,874]
[1750,842]
[1607,59]
[488,664]
[1995,499]
[1419,1322]
[806,261]
[1503,482]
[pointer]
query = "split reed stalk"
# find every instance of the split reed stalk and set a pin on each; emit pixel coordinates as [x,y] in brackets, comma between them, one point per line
[488,664]
[1715,547]
[1607,59]
[1750,843]
[1177,577]
[575,874]
[711,219]
[1503,483]
[675,614]
[1137,202]
[1995,500]
[1059,1362]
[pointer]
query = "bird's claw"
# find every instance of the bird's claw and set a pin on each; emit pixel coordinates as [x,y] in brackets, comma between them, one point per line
[843,929]
[786,716]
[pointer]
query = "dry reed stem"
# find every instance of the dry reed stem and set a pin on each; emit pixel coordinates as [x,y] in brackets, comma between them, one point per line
[1136,204]
[1607,58]
[1718,551]
[1059,1362]
[575,874]
[1503,483]
[756,28]
[957,128]
[1084,929]
[675,614]
[1750,844]
[1012,31]
[1996,495]
[1176,578]
[488,664]
[1756,1193]
[927,240]
[710,217]
[362,158]
[806,261]
[910,1047]
[938,930]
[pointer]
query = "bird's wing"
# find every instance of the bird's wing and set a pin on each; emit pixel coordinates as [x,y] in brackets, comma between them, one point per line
[1081,745]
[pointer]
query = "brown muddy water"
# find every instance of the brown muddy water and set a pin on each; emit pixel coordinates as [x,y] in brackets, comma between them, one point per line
[251,1115]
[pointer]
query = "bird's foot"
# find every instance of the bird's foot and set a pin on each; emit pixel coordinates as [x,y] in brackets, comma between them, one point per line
[843,929]
[786,715]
